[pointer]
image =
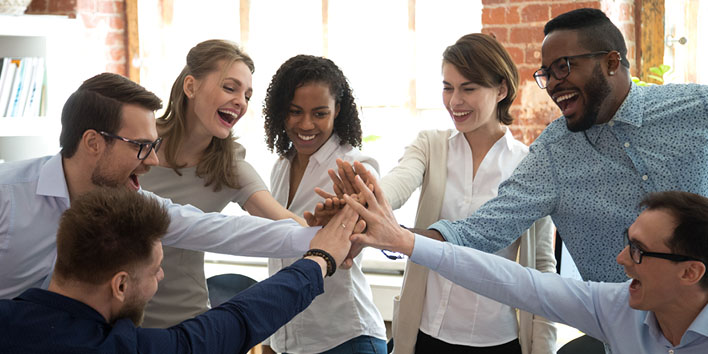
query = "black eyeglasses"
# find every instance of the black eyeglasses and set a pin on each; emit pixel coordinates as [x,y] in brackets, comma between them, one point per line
[144,148]
[559,68]
[636,254]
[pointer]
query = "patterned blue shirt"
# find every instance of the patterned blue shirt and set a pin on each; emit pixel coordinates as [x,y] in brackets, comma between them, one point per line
[591,182]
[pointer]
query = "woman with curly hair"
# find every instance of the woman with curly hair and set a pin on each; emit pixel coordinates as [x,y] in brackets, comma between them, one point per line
[201,164]
[311,120]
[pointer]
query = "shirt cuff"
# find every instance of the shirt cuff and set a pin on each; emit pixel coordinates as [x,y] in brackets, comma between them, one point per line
[302,236]
[427,252]
[444,227]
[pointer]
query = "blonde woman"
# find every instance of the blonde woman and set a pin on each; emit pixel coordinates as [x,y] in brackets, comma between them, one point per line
[202,164]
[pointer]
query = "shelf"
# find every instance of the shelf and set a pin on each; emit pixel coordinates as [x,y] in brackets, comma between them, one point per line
[30,126]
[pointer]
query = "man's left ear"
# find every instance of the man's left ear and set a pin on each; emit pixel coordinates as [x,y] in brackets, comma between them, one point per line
[693,272]
[614,60]
[503,91]
[119,285]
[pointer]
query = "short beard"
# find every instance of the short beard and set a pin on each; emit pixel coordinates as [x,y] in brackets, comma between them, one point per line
[596,90]
[133,310]
[98,175]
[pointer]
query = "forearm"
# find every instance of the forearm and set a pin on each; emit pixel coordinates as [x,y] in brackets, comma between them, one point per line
[563,300]
[255,313]
[236,235]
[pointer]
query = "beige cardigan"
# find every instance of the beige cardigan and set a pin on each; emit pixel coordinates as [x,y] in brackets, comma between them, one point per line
[424,164]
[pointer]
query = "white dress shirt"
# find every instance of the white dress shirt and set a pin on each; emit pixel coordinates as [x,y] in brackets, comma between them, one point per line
[452,313]
[34,194]
[346,309]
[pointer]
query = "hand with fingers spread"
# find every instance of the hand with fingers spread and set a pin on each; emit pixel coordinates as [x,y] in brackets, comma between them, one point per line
[343,180]
[383,231]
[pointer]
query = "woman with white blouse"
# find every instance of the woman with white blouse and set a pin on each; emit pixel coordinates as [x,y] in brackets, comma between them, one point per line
[459,170]
[311,120]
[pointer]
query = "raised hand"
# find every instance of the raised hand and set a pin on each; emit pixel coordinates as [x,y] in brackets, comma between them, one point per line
[324,211]
[335,236]
[383,231]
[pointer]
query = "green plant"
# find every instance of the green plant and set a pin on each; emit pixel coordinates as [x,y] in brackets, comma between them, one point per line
[657,74]
[370,138]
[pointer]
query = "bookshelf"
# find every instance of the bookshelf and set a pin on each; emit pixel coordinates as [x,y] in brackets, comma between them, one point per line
[56,40]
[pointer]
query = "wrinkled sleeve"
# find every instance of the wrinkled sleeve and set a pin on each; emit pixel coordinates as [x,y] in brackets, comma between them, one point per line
[243,235]
[587,306]
[529,194]
[246,319]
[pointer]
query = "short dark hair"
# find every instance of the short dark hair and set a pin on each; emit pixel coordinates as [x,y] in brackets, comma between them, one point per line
[595,31]
[483,60]
[294,73]
[690,237]
[105,231]
[98,104]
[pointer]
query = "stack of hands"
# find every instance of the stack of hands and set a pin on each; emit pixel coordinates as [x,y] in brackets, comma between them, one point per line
[356,216]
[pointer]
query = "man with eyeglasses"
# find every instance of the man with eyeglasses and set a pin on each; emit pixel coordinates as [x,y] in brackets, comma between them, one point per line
[615,143]
[109,138]
[661,309]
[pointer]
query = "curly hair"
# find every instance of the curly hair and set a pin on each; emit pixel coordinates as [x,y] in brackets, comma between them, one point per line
[294,73]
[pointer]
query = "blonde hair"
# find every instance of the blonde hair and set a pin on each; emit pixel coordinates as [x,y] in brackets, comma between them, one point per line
[216,165]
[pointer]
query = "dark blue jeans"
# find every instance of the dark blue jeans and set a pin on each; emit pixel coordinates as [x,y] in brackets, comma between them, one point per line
[360,345]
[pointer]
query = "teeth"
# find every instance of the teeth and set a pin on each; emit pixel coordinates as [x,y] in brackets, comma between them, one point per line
[234,114]
[565,97]
[460,114]
[306,137]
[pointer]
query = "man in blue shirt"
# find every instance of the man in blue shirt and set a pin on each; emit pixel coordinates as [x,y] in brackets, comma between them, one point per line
[108,267]
[109,138]
[662,309]
[588,170]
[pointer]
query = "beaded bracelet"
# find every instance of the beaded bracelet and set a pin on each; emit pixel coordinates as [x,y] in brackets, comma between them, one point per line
[331,264]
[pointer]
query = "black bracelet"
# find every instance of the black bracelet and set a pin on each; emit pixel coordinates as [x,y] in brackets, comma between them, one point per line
[331,264]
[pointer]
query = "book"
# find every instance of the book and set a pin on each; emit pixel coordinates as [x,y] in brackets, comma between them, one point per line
[15,89]
[6,88]
[28,67]
[33,105]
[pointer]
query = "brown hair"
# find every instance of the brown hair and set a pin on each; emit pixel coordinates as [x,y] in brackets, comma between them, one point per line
[98,104]
[216,165]
[482,60]
[690,237]
[105,231]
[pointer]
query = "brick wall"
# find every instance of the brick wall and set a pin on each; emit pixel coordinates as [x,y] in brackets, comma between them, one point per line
[518,25]
[103,26]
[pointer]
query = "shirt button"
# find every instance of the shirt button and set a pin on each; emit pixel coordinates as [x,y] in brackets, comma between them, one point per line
[671,351]
[626,145]
[611,123]
[645,177]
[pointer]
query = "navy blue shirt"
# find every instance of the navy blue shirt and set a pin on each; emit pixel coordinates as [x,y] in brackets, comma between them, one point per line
[40,321]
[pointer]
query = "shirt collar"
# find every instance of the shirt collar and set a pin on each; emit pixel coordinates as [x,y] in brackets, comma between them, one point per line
[699,326]
[627,113]
[52,182]
[323,155]
[630,111]
[61,303]
[507,138]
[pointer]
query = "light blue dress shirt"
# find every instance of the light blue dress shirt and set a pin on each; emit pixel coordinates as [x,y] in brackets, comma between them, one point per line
[599,309]
[591,182]
[34,194]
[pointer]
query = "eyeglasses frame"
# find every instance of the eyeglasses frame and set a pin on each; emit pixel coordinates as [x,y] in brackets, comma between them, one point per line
[669,256]
[544,72]
[152,146]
